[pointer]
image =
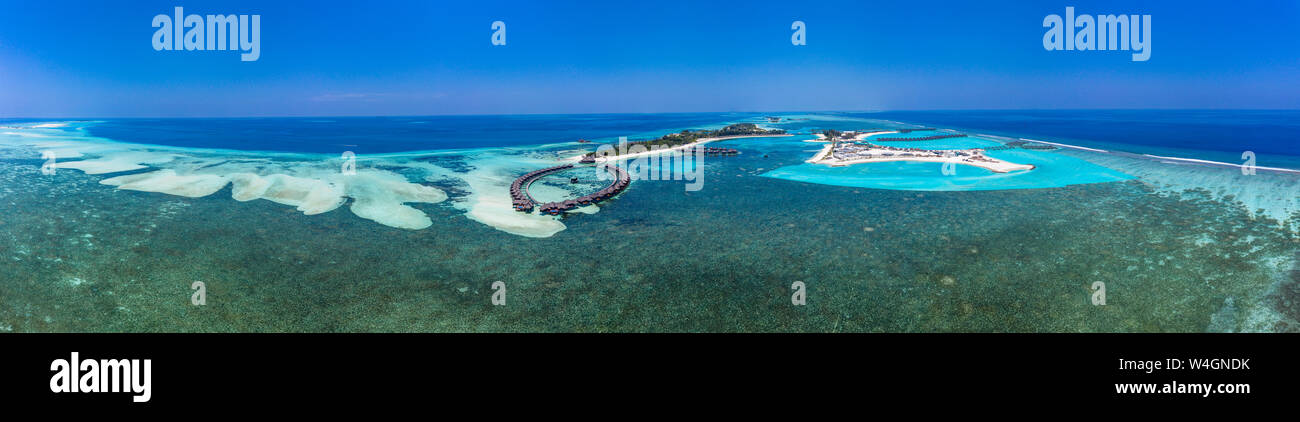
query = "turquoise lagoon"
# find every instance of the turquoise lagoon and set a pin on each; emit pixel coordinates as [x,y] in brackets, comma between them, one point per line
[417,241]
[1051,170]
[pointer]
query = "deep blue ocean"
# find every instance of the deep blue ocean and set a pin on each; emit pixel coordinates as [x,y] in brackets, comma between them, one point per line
[1219,134]
[1204,134]
[374,135]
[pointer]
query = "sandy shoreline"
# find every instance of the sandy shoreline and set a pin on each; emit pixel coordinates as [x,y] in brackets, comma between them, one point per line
[996,167]
[820,154]
[882,155]
[865,135]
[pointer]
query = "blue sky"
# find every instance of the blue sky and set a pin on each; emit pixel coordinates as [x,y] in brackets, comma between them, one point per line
[95,59]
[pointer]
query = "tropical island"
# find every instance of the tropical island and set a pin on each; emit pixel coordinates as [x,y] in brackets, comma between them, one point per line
[847,148]
[687,138]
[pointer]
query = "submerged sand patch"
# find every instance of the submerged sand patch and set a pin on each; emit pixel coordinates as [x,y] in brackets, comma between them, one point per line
[167,181]
[489,203]
[119,162]
[312,183]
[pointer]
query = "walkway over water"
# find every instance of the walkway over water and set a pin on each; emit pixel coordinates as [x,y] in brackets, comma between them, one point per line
[524,202]
[711,150]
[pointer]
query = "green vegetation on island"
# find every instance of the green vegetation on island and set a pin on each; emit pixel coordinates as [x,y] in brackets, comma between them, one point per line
[687,136]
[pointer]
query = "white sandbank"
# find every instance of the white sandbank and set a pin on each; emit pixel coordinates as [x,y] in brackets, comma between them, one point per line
[167,181]
[117,163]
[1173,160]
[490,204]
[382,196]
[310,196]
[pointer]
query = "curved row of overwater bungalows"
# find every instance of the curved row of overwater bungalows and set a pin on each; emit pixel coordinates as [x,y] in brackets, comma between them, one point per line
[519,189]
[524,203]
[714,151]
[591,159]
[621,181]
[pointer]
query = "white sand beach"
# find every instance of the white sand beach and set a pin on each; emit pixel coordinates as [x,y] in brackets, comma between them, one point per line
[869,153]
[994,165]
[820,154]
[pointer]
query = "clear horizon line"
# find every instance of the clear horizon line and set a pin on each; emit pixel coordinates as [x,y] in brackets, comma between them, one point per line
[272,116]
